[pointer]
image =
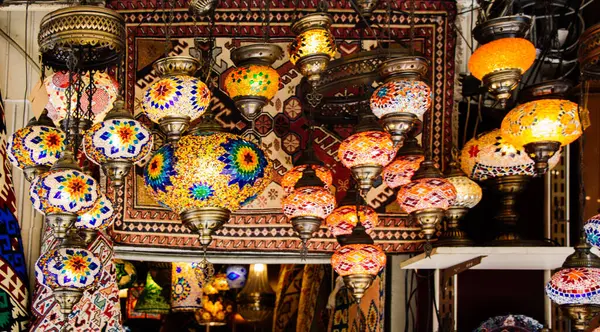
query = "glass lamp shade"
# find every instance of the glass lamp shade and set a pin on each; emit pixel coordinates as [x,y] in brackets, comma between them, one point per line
[400,171]
[291,177]
[252,80]
[35,146]
[186,293]
[343,219]
[179,96]
[575,286]
[151,301]
[592,230]
[468,193]
[126,274]
[99,217]
[207,169]
[216,310]
[66,190]
[427,193]
[309,202]
[73,268]
[367,148]
[401,96]
[490,156]
[502,54]
[236,276]
[358,259]
[57,84]
[546,120]
[256,301]
[312,42]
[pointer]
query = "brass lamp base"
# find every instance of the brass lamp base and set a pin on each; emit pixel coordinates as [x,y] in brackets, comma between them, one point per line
[501,83]
[312,67]
[60,223]
[358,284]
[453,236]
[174,126]
[429,218]
[541,152]
[366,7]
[580,314]
[201,8]
[255,307]
[32,172]
[399,125]
[250,106]
[117,170]
[67,298]
[365,175]
[88,235]
[305,226]
[205,221]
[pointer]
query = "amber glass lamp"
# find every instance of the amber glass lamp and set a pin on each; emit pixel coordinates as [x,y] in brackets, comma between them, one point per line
[341,221]
[408,159]
[307,159]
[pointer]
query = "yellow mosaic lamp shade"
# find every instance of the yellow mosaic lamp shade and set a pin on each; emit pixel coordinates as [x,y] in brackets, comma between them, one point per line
[502,54]
[358,259]
[426,193]
[186,293]
[152,301]
[309,202]
[343,219]
[546,120]
[312,42]
[291,177]
[252,80]
[468,193]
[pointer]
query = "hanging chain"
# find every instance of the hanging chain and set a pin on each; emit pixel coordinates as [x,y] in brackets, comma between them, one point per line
[412,26]
[268,20]
[66,123]
[169,26]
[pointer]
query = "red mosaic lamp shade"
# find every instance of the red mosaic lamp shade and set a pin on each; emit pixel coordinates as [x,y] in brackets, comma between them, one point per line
[291,177]
[580,285]
[427,193]
[367,148]
[343,219]
[400,171]
[358,259]
[309,202]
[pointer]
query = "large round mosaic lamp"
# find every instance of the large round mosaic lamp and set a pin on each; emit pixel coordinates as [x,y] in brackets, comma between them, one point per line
[253,82]
[207,175]
[358,264]
[177,98]
[313,47]
[36,147]
[117,143]
[541,127]
[408,159]
[404,97]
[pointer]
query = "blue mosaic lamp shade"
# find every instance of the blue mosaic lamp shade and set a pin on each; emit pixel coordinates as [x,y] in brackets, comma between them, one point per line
[73,268]
[579,285]
[236,276]
[100,217]
[592,231]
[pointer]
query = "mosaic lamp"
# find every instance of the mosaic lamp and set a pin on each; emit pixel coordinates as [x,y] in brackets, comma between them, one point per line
[216,307]
[186,290]
[36,147]
[427,197]
[358,262]
[253,82]
[236,276]
[152,301]
[313,47]
[541,127]
[256,301]
[404,96]
[408,159]
[126,273]
[592,230]
[367,151]
[207,175]
[117,143]
[343,219]
[101,216]
[503,55]
[177,98]
[307,159]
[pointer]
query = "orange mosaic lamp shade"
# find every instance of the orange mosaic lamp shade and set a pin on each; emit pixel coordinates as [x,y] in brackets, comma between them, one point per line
[427,193]
[358,259]
[309,202]
[502,54]
[252,80]
[343,219]
[546,120]
[312,42]
[367,148]
[291,177]
[400,171]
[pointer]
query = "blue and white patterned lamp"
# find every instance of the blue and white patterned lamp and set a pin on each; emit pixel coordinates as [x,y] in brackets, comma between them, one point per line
[592,231]
[236,276]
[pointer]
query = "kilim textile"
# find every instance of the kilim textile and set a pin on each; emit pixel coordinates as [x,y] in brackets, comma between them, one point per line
[289,289]
[13,275]
[311,285]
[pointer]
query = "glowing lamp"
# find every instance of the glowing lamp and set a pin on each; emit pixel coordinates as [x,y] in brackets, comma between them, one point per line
[313,47]
[256,301]
[177,98]
[236,276]
[408,159]
[343,219]
[186,293]
[358,264]
[152,301]
[253,82]
[542,127]
[291,177]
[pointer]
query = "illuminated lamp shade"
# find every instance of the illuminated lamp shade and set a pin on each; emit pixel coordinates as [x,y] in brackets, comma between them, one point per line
[236,276]
[358,264]
[36,147]
[343,219]
[58,87]
[253,83]
[489,155]
[313,47]
[468,193]
[186,293]
[216,307]
[408,159]
[117,143]
[592,231]
[207,175]
[126,274]
[152,301]
[542,127]
[256,301]
[177,98]
[291,177]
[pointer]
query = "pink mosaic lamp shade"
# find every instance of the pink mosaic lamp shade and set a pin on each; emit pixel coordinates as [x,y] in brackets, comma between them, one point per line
[358,259]
[343,219]
[367,148]
[400,171]
[427,193]
[309,202]
[579,285]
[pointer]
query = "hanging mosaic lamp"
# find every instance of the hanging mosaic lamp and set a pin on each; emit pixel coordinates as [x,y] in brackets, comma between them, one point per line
[236,276]
[408,159]
[126,273]
[64,192]
[117,143]
[342,220]
[358,262]
[253,82]
[592,230]
[541,127]
[216,306]
[313,47]
[403,98]
[307,159]
[152,301]
[503,55]
[468,194]
[426,198]
[256,301]
[207,175]
[101,216]
[367,152]
[36,147]
[177,98]
[186,293]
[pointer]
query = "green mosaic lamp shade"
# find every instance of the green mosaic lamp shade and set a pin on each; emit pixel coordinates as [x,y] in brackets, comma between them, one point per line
[151,300]
[126,274]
